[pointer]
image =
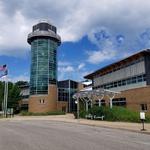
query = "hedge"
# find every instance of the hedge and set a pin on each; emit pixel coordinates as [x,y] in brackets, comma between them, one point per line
[115,114]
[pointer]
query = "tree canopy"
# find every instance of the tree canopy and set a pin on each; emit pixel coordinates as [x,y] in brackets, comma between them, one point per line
[13,95]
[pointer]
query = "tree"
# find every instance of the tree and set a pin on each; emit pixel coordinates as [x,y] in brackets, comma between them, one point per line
[21,83]
[13,95]
[1,93]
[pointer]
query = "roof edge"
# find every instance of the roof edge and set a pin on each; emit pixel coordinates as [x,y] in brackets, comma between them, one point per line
[145,51]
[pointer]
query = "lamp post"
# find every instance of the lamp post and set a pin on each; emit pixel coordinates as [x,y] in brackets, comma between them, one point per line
[77,102]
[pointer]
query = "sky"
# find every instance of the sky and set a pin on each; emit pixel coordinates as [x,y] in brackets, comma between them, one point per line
[94,33]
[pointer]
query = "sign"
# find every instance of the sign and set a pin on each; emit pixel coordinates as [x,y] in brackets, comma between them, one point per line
[142,115]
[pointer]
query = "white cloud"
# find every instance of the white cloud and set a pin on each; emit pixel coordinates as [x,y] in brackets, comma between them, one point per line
[96,57]
[81,66]
[79,18]
[13,39]
[63,63]
[64,66]
[106,44]
[17,78]
[66,69]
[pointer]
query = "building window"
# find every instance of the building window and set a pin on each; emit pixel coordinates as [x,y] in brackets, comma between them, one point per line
[115,84]
[131,80]
[42,101]
[119,102]
[139,78]
[144,107]
[123,82]
[102,102]
[119,83]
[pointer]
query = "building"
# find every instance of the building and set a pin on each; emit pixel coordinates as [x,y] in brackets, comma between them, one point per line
[66,89]
[131,76]
[86,85]
[24,97]
[65,101]
[44,41]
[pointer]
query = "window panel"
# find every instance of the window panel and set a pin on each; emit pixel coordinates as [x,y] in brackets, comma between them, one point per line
[43,65]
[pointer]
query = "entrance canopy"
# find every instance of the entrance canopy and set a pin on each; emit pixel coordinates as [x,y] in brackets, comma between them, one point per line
[89,96]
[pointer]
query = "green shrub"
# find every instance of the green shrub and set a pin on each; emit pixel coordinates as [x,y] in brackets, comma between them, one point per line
[83,113]
[25,113]
[115,114]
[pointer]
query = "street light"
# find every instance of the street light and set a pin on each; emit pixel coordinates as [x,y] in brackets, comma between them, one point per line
[75,96]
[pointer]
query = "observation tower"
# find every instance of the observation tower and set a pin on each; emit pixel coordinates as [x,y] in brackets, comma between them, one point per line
[44,41]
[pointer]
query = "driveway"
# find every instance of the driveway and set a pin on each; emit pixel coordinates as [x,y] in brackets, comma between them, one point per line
[54,135]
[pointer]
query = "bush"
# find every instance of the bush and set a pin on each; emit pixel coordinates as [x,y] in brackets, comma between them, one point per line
[25,113]
[121,114]
[83,114]
[116,114]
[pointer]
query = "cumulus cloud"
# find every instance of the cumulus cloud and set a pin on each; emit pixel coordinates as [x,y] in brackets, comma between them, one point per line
[13,35]
[66,69]
[64,66]
[81,66]
[63,63]
[17,78]
[74,71]
[106,44]
[96,57]
[125,20]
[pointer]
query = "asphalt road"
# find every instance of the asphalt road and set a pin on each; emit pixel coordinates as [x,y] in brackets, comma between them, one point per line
[50,135]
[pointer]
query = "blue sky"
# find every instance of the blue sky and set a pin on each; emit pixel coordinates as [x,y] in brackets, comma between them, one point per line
[94,33]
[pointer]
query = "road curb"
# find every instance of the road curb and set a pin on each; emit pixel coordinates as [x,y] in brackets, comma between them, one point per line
[124,129]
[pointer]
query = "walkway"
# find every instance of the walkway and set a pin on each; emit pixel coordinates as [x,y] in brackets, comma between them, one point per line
[136,127]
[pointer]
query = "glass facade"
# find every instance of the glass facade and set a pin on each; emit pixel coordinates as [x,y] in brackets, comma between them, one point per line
[43,65]
[66,89]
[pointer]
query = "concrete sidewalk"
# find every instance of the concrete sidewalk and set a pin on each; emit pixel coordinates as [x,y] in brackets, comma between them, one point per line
[135,127]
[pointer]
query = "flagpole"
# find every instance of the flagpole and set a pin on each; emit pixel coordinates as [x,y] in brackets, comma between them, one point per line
[4,104]
[4,74]
[6,98]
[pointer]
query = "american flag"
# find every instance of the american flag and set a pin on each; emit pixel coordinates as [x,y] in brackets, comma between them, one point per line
[3,71]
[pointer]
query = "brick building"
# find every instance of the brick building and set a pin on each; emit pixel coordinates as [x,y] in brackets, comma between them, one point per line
[130,76]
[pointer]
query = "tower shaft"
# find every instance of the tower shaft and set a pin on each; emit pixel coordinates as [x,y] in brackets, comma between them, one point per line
[43,77]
